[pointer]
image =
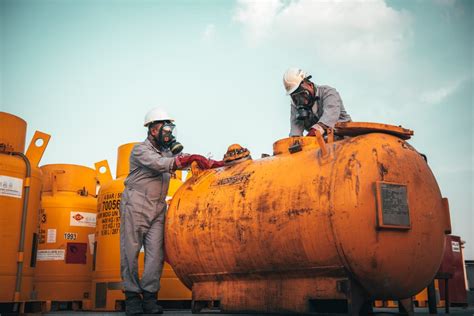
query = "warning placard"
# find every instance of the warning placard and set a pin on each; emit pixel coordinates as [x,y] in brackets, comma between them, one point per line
[50,255]
[455,246]
[82,219]
[51,237]
[10,186]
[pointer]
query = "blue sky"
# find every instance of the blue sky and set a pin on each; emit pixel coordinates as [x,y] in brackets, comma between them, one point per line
[86,72]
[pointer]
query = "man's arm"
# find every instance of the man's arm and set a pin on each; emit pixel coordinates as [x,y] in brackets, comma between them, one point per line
[146,157]
[296,126]
[331,108]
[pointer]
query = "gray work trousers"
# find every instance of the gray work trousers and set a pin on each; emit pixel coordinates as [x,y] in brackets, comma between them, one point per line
[141,224]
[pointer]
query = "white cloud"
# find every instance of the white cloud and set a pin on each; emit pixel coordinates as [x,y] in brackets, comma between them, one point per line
[437,95]
[209,32]
[333,29]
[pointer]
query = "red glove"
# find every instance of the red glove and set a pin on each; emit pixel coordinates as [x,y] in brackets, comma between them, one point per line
[182,162]
[312,132]
[317,127]
[216,164]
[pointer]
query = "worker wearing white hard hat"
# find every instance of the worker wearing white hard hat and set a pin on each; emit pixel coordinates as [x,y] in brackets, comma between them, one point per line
[313,107]
[143,207]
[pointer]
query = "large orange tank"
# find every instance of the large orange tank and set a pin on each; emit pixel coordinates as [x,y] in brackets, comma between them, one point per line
[352,220]
[20,185]
[106,281]
[67,228]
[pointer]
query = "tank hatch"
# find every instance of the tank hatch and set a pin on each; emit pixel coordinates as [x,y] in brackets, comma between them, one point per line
[360,128]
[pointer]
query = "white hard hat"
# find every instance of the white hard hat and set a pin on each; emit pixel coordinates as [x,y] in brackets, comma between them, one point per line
[156,114]
[292,79]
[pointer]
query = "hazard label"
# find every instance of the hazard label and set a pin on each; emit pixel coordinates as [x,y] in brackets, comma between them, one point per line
[12,187]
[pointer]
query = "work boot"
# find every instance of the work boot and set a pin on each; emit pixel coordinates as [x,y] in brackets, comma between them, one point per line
[133,303]
[150,305]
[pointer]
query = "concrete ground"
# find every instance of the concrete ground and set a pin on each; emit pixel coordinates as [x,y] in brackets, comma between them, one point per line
[455,311]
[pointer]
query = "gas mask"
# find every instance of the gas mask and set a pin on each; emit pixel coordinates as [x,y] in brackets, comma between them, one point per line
[167,138]
[303,100]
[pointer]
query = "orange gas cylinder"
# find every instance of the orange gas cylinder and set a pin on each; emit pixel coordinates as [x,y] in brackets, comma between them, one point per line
[67,227]
[106,281]
[20,185]
[345,221]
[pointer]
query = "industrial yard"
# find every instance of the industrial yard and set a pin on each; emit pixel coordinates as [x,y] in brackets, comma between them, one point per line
[323,165]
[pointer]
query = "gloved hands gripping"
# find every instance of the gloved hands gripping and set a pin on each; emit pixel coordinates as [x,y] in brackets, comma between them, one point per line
[184,161]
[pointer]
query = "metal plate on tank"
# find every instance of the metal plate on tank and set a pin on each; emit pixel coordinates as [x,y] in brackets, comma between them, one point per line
[392,205]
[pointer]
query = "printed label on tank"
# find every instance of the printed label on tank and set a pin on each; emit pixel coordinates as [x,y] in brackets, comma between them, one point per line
[12,187]
[108,213]
[82,219]
[50,255]
[91,238]
[455,246]
[70,236]
[51,236]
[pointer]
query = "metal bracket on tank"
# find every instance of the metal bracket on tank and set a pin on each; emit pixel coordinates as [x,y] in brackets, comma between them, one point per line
[102,171]
[296,147]
[37,147]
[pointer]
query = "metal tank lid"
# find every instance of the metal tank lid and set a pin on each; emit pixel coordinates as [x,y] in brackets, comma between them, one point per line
[12,132]
[69,177]
[123,159]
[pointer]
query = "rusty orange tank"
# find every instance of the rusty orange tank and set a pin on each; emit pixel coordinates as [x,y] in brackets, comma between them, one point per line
[313,226]
[20,185]
[67,228]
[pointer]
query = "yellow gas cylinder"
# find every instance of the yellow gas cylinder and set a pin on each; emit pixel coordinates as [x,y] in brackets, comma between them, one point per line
[106,281]
[318,225]
[67,233]
[20,185]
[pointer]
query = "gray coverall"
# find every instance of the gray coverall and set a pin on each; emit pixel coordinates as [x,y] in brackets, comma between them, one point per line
[142,211]
[328,110]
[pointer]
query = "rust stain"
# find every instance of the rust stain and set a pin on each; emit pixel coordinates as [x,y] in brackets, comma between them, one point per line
[293,213]
[389,150]
[382,170]
[182,218]
[273,220]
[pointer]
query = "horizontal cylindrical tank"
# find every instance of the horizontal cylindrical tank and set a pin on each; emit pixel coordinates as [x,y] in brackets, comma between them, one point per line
[67,232]
[273,234]
[20,185]
[107,283]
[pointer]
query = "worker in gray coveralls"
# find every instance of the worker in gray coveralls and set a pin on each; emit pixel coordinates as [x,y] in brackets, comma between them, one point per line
[143,209]
[313,108]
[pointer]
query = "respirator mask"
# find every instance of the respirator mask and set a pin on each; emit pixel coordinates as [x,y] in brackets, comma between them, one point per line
[167,138]
[303,99]
[303,102]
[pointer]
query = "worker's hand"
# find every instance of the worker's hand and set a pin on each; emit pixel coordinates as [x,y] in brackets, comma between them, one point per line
[182,162]
[316,127]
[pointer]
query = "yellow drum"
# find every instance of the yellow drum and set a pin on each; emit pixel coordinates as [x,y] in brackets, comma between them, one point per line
[20,185]
[106,282]
[67,233]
